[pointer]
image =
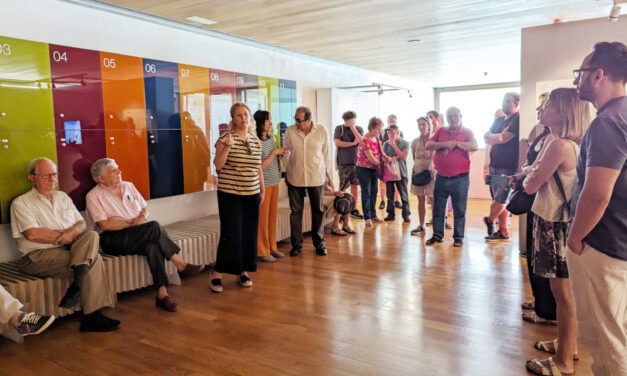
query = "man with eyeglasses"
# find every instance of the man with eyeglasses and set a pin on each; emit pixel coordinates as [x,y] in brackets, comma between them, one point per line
[52,234]
[597,261]
[307,148]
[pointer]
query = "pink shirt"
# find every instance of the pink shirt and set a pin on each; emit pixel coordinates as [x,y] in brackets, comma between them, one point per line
[373,146]
[457,161]
[103,203]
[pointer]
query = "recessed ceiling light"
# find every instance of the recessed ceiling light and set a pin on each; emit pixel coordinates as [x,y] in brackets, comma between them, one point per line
[201,20]
[414,41]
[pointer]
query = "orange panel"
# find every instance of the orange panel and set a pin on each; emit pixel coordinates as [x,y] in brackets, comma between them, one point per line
[125,117]
[195,125]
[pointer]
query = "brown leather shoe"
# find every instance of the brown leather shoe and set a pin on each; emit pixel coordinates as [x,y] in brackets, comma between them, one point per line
[167,304]
[190,270]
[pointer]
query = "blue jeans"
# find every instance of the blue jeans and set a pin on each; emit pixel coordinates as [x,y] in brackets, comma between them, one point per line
[369,189]
[457,188]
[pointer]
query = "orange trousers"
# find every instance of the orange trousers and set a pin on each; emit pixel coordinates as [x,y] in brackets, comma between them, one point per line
[266,236]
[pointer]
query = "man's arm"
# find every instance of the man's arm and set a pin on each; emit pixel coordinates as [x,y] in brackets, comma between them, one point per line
[42,235]
[499,138]
[595,196]
[401,154]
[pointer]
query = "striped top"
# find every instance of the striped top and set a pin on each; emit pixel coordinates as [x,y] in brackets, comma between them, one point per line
[240,173]
[271,173]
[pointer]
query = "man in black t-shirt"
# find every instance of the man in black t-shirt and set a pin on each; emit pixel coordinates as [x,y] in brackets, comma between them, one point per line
[503,137]
[347,138]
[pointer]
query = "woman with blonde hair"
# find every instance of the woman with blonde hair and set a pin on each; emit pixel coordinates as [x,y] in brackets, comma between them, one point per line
[423,161]
[553,177]
[240,191]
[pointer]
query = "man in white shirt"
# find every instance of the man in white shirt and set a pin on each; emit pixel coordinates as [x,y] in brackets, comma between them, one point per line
[53,237]
[307,151]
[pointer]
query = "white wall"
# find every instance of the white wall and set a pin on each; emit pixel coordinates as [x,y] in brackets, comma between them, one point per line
[63,23]
[550,53]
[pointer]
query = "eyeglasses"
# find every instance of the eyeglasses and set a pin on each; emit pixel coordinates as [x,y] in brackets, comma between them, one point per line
[578,72]
[48,176]
[298,121]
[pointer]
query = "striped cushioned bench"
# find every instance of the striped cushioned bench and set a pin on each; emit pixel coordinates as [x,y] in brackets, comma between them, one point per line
[197,238]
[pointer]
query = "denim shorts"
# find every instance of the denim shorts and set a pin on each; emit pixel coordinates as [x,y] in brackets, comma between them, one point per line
[500,194]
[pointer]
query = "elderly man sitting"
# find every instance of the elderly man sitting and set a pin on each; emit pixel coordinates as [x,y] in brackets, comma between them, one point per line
[119,214]
[51,234]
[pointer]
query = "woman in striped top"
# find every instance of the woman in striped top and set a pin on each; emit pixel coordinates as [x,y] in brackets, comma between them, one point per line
[266,239]
[240,191]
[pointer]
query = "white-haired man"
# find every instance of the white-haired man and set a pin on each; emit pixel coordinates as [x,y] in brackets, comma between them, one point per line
[52,235]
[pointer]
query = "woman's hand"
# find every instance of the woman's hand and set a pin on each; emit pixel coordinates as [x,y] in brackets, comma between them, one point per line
[228,140]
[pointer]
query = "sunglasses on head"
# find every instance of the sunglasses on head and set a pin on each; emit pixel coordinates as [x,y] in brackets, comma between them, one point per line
[305,118]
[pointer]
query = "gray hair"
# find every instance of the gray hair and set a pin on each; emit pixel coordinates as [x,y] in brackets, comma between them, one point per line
[32,166]
[392,116]
[98,166]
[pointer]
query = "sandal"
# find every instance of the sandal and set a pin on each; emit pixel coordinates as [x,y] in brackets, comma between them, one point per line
[545,367]
[338,231]
[550,347]
[535,319]
[529,305]
[349,230]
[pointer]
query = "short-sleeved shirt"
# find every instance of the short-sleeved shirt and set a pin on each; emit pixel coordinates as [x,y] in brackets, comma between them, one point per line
[505,155]
[605,145]
[368,144]
[423,158]
[240,173]
[390,152]
[307,155]
[34,210]
[271,175]
[457,161]
[347,155]
[104,204]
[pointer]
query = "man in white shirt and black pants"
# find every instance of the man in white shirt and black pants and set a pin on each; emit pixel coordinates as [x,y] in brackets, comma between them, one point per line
[306,155]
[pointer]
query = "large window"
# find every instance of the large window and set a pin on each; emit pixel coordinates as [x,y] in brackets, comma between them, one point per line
[477,106]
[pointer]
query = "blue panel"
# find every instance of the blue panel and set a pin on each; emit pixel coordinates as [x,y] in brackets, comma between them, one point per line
[165,162]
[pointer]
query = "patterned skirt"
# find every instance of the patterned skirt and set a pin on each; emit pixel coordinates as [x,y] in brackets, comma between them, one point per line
[549,248]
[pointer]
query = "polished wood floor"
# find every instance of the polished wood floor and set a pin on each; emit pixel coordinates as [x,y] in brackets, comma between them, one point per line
[381,303]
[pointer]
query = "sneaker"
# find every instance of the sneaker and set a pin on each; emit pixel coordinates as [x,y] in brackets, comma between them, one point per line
[382,205]
[277,254]
[356,214]
[406,220]
[418,230]
[244,280]
[398,205]
[497,237]
[389,218]
[268,258]
[71,297]
[433,240]
[97,322]
[31,324]
[489,225]
[216,285]
[457,243]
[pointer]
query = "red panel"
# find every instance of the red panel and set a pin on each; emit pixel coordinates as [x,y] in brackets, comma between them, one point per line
[125,117]
[79,122]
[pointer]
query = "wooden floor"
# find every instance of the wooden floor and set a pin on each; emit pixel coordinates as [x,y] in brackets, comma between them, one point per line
[378,304]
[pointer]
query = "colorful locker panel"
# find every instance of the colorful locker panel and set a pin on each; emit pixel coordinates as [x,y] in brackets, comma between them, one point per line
[125,117]
[26,122]
[287,106]
[223,95]
[247,88]
[17,149]
[270,86]
[163,123]
[195,116]
[78,116]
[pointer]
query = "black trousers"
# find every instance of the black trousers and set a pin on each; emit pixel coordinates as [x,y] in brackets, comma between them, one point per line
[540,287]
[239,221]
[401,185]
[297,201]
[148,239]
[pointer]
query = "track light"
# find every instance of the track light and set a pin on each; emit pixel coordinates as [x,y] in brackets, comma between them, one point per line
[614,13]
[380,91]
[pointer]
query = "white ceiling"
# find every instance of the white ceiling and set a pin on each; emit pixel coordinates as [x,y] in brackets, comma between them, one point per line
[464,42]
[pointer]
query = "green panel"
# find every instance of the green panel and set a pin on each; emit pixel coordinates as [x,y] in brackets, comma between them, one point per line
[17,149]
[25,86]
[271,87]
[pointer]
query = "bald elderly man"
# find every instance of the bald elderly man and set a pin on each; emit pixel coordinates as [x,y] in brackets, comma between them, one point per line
[52,235]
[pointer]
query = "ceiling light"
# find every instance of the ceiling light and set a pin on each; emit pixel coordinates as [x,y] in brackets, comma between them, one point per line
[614,13]
[414,41]
[201,20]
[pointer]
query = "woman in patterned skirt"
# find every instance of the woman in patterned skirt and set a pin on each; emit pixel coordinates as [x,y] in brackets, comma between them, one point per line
[553,178]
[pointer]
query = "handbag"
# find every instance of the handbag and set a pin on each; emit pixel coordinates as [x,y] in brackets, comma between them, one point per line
[421,179]
[520,202]
[392,171]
